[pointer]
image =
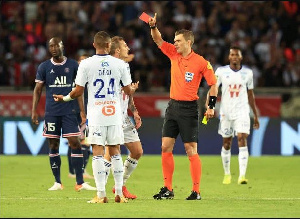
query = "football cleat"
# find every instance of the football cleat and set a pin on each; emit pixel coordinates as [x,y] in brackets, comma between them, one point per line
[56,186]
[96,199]
[227,179]
[194,196]
[126,193]
[242,180]
[121,199]
[164,193]
[84,186]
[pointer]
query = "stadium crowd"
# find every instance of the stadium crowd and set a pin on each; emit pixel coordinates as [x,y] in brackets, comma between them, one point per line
[267,31]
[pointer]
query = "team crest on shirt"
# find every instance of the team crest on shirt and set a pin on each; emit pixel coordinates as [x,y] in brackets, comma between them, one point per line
[67,70]
[189,76]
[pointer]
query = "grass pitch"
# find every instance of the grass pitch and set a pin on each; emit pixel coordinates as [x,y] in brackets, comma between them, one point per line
[273,190]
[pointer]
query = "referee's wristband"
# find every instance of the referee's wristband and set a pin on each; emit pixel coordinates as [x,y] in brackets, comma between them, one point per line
[153,27]
[212,102]
[67,98]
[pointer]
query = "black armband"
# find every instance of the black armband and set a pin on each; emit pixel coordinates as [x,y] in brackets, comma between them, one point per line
[153,27]
[212,102]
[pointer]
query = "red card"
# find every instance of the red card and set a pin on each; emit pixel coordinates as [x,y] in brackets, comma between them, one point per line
[145,17]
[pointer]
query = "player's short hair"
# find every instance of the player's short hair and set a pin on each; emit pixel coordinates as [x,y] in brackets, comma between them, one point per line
[101,39]
[235,47]
[187,35]
[115,44]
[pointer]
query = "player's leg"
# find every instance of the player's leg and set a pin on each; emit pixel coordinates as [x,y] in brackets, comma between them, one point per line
[71,169]
[52,131]
[226,130]
[243,157]
[70,130]
[107,163]
[115,137]
[242,127]
[98,142]
[55,163]
[133,144]
[86,155]
[99,173]
[226,158]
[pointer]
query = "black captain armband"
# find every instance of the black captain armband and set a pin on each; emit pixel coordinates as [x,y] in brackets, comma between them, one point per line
[212,102]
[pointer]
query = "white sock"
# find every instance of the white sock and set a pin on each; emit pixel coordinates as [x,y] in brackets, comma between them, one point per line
[243,160]
[117,168]
[226,156]
[129,166]
[107,165]
[99,175]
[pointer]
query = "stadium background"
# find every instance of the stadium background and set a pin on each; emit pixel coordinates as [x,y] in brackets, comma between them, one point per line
[267,31]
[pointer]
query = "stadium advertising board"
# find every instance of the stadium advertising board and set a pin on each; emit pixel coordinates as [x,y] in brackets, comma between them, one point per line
[275,137]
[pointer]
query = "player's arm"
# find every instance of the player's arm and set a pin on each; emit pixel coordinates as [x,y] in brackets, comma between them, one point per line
[211,101]
[131,88]
[156,35]
[75,93]
[37,92]
[82,109]
[136,116]
[251,100]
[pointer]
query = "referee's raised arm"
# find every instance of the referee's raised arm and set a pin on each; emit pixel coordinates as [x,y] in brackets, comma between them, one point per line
[156,36]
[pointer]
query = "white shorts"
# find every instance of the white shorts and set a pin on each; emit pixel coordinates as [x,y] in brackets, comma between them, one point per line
[106,135]
[230,128]
[130,132]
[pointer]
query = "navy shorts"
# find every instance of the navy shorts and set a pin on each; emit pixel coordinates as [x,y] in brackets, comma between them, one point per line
[182,117]
[66,125]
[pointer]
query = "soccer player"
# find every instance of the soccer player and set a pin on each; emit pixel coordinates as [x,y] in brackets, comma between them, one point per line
[58,75]
[85,147]
[182,113]
[119,49]
[237,95]
[103,73]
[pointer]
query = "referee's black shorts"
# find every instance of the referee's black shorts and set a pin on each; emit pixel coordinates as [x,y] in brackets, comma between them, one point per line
[181,117]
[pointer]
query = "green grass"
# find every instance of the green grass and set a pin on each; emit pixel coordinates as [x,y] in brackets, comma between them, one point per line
[273,190]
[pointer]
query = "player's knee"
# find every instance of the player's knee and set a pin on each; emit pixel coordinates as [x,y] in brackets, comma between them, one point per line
[137,154]
[226,145]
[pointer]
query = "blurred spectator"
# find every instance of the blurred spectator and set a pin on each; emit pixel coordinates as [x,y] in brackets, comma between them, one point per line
[267,31]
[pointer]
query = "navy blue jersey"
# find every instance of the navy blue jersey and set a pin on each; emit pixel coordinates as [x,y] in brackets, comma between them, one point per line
[58,78]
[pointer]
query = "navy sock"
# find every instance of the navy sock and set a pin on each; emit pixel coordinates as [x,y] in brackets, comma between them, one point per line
[55,163]
[86,154]
[77,162]
[71,168]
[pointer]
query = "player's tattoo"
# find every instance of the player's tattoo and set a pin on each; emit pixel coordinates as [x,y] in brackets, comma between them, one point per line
[131,105]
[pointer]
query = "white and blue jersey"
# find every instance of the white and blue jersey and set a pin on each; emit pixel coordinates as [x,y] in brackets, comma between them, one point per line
[58,78]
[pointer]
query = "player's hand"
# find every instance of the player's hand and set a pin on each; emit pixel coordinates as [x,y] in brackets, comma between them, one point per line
[83,118]
[130,57]
[34,118]
[152,21]
[58,98]
[256,123]
[138,120]
[135,86]
[210,113]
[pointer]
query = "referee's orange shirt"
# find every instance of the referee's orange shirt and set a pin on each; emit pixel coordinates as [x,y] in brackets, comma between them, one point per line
[186,73]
